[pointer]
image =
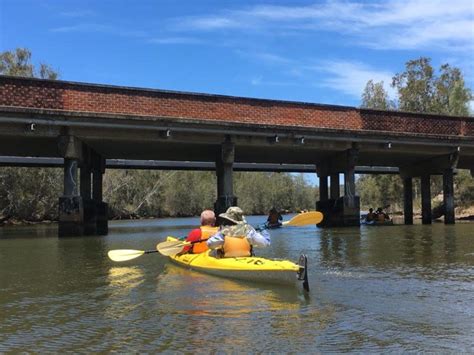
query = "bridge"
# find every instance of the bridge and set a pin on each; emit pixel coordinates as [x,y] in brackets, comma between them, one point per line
[88,125]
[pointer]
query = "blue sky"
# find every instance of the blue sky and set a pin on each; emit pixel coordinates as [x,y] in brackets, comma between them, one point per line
[313,51]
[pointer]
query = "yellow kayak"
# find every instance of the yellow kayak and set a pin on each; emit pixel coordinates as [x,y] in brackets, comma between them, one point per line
[245,268]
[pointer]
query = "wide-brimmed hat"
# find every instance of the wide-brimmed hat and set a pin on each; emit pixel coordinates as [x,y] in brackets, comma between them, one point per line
[234,214]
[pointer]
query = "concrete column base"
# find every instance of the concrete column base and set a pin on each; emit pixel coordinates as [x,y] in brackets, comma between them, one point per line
[71,216]
[102,215]
[90,217]
[223,203]
[341,212]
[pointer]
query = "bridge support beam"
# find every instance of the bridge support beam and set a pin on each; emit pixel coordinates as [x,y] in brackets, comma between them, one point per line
[448,196]
[224,172]
[408,199]
[335,191]
[90,215]
[71,208]
[425,199]
[323,188]
[345,210]
[101,208]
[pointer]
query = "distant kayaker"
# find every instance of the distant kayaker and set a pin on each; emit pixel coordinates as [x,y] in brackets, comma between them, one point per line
[381,216]
[274,218]
[236,237]
[208,220]
[370,216]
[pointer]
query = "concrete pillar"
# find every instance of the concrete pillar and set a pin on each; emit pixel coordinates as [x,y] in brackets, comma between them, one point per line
[349,182]
[90,210]
[448,196]
[335,189]
[101,212]
[323,188]
[71,209]
[225,184]
[408,199]
[425,199]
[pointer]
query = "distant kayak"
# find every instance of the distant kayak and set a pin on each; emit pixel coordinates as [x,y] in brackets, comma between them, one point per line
[273,225]
[251,268]
[378,223]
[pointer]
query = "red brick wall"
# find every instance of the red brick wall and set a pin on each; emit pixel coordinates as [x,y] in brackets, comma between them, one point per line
[59,95]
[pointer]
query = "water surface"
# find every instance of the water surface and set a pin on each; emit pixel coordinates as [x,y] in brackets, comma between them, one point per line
[391,288]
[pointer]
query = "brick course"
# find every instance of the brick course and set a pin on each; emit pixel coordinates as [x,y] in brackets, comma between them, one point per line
[68,96]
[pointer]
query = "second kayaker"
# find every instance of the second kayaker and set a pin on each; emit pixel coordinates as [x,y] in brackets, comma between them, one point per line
[236,237]
[208,220]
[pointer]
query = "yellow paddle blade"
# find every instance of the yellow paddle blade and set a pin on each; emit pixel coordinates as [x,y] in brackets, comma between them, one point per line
[304,219]
[124,254]
[171,247]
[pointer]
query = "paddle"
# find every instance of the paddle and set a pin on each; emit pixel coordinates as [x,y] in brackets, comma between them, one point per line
[167,248]
[127,254]
[173,247]
[304,219]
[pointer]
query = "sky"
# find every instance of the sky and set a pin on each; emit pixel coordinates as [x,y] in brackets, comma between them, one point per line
[311,51]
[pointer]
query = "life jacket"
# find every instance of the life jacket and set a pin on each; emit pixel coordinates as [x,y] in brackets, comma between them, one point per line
[206,233]
[236,247]
[273,219]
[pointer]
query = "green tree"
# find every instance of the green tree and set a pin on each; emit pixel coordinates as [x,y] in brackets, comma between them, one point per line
[18,63]
[375,96]
[421,90]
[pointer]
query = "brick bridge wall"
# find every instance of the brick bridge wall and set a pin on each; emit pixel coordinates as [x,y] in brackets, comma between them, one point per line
[69,96]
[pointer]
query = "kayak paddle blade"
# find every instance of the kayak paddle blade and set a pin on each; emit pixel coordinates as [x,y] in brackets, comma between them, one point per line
[124,254]
[304,219]
[171,247]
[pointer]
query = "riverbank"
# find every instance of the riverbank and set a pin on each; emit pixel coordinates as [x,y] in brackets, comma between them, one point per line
[462,214]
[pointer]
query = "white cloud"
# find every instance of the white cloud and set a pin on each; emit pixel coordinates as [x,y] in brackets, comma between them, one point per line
[350,77]
[394,24]
[98,28]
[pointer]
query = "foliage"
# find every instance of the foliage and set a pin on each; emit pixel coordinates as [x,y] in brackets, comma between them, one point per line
[144,193]
[18,63]
[375,96]
[30,194]
[464,188]
[421,90]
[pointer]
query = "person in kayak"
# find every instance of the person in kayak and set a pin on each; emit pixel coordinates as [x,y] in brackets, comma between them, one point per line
[236,237]
[370,216]
[208,220]
[381,216]
[274,218]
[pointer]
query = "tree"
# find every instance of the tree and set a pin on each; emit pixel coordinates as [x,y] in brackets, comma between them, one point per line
[18,63]
[375,96]
[420,90]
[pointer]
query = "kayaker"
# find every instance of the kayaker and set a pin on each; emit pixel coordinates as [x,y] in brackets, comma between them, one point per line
[381,216]
[207,229]
[236,237]
[370,216]
[274,218]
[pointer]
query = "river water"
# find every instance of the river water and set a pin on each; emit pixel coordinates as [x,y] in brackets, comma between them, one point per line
[392,288]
